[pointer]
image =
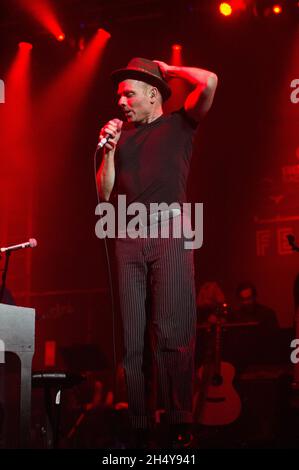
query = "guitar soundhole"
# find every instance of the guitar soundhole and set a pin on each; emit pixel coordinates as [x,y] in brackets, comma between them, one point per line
[217,380]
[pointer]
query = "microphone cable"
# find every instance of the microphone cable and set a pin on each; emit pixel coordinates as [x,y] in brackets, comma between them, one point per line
[110,284]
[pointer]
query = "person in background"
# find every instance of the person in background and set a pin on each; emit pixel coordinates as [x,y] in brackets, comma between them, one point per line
[256,344]
[209,298]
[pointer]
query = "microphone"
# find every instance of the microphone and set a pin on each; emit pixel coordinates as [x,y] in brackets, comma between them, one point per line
[107,137]
[32,243]
[103,141]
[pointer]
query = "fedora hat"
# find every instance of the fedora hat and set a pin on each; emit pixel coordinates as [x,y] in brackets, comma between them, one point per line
[144,70]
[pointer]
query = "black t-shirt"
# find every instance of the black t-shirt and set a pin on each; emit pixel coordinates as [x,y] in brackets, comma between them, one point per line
[152,160]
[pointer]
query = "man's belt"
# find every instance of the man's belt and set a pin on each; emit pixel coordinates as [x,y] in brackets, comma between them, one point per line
[161,216]
[155,217]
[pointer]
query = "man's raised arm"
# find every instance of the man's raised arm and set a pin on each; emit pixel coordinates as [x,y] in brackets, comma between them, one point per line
[204,84]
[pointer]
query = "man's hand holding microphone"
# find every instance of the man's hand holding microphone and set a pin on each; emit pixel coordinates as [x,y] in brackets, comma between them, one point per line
[110,134]
[108,138]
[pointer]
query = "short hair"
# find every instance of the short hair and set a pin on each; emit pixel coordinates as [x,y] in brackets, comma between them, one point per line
[246,285]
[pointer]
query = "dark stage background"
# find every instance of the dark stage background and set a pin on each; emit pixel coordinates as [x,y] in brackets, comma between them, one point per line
[245,166]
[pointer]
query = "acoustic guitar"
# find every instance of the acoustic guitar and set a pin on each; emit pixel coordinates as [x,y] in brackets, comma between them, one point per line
[217,402]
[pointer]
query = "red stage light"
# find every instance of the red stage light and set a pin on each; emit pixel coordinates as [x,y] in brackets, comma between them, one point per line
[25,46]
[225,9]
[277,9]
[60,37]
[104,34]
[177,47]
[179,90]
[50,353]
[42,11]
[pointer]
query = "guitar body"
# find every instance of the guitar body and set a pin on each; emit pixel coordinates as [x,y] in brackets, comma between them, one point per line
[218,402]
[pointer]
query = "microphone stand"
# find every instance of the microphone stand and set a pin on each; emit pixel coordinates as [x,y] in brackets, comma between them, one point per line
[4,275]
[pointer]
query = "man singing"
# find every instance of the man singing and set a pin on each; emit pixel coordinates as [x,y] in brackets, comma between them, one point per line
[148,160]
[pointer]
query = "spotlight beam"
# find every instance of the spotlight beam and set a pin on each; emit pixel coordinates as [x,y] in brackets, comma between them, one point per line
[42,11]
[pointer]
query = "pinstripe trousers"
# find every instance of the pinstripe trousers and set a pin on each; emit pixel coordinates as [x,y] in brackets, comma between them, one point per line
[166,267]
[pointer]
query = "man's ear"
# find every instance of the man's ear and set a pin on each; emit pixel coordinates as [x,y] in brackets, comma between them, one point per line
[153,93]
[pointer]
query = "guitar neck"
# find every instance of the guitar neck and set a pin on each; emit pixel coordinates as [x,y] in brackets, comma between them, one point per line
[218,334]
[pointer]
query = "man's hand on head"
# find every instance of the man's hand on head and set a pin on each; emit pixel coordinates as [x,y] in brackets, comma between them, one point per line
[165,68]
